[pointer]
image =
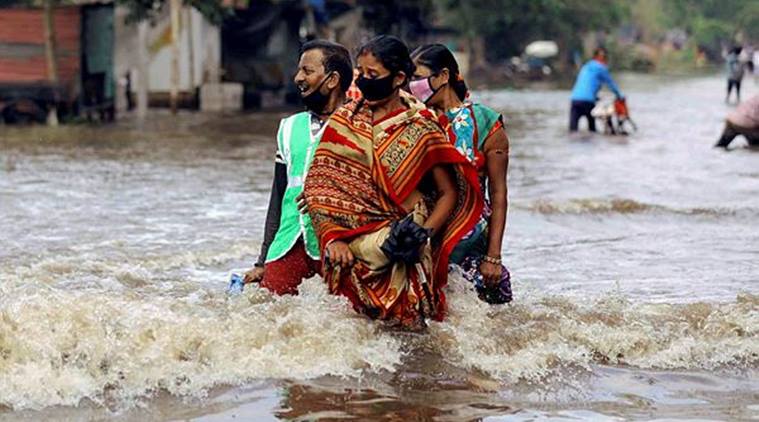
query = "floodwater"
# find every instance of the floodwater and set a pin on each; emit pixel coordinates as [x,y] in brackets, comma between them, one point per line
[635,264]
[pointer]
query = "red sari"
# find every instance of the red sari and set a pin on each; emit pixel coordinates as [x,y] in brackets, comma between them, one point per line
[361,173]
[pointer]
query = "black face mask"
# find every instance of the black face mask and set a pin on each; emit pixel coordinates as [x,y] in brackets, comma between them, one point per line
[376,89]
[316,101]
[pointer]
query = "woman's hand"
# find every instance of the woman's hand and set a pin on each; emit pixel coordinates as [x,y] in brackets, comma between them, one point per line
[338,253]
[491,273]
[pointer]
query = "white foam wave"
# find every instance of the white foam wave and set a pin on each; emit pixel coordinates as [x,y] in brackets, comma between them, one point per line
[58,348]
[538,335]
[61,343]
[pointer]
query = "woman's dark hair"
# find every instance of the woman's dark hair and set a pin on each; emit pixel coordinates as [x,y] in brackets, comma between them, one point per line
[391,52]
[336,59]
[438,57]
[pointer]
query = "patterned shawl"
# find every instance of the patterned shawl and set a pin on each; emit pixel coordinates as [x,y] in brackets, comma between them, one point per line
[363,170]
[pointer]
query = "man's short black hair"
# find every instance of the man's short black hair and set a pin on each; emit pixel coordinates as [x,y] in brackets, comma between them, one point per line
[600,50]
[336,59]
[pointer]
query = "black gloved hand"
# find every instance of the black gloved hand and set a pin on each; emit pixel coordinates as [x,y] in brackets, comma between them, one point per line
[405,241]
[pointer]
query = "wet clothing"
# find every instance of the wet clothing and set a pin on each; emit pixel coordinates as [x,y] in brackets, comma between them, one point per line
[581,109]
[735,68]
[274,212]
[592,76]
[495,295]
[734,84]
[284,275]
[731,131]
[468,127]
[746,114]
[285,226]
[361,173]
[744,120]
[280,182]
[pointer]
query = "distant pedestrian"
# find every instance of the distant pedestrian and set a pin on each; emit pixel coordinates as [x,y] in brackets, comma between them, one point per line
[353,92]
[127,83]
[735,70]
[593,75]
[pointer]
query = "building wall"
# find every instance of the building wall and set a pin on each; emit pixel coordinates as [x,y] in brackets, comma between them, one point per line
[206,43]
[22,45]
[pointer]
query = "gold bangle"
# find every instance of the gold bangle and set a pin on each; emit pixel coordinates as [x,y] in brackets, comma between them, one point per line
[491,260]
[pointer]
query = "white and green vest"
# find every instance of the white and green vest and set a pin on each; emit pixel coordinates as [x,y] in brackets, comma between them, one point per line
[296,145]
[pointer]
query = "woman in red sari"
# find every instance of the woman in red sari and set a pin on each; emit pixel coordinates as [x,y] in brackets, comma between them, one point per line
[388,195]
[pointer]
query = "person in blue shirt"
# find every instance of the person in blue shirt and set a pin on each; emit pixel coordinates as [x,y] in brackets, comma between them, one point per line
[592,76]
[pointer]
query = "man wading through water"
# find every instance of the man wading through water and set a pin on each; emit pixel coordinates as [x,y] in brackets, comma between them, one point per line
[290,251]
[593,75]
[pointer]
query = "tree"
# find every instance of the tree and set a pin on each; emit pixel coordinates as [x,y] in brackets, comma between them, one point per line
[50,58]
[506,26]
[713,24]
[174,11]
[408,19]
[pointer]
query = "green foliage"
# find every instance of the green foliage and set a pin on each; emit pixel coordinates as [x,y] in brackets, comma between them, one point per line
[508,25]
[710,33]
[748,20]
[714,23]
[404,18]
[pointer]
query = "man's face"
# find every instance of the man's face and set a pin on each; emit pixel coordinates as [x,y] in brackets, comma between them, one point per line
[311,71]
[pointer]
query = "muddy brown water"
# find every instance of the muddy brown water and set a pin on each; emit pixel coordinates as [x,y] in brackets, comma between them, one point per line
[634,263]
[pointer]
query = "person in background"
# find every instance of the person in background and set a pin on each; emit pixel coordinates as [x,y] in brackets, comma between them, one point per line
[353,92]
[389,196]
[735,71]
[744,120]
[593,75]
[290,250]
[478,133]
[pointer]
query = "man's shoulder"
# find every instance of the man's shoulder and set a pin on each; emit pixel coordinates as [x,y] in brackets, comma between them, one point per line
[288,123]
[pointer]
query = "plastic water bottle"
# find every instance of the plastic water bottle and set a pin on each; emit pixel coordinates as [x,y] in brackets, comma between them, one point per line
[236,284]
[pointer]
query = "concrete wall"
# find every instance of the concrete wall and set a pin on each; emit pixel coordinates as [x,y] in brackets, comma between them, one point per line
[206,44]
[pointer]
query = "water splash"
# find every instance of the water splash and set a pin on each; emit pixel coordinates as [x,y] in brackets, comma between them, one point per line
[59,347]
[538,334]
